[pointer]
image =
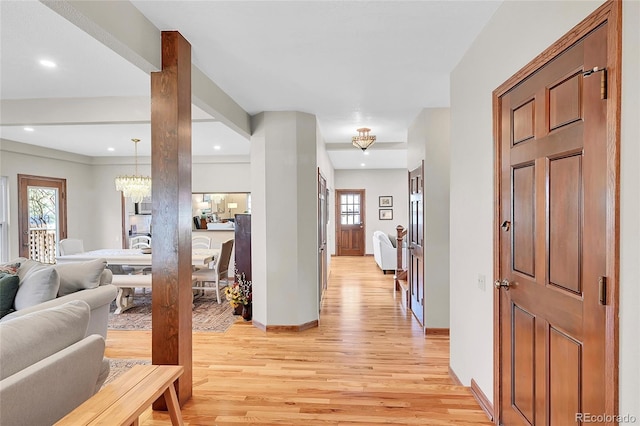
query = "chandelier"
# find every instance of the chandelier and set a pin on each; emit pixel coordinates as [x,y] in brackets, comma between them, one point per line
[363,140]
[135,187]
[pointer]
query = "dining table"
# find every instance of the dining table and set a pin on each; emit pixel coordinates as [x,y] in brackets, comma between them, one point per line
[135,257]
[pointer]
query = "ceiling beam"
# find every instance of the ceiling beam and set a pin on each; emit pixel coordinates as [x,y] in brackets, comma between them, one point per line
[124,29]
[68,111]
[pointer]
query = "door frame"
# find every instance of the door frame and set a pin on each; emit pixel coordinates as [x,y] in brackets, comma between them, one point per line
[24,181]
[323,232]
[419,313]
[610,12]
[363,217]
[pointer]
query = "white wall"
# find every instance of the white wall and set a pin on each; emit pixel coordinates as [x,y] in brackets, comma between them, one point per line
[93,205]
[284,223]
[428,139]
[376,183]
[82,216]
[504,46]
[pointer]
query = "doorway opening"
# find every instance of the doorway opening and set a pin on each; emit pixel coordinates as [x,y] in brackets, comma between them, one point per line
[42,216]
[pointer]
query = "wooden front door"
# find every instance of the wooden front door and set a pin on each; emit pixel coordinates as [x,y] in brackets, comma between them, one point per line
[42,216]
[416,241]
[554,199]
[350,215]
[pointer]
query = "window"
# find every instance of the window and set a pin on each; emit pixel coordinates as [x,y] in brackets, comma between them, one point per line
[350,209]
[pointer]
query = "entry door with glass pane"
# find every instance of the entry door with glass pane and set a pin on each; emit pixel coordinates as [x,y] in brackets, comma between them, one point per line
[350,214]
[42,216]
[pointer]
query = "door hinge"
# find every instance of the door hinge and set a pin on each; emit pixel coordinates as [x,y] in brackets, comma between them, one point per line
[603,79]
[602,290]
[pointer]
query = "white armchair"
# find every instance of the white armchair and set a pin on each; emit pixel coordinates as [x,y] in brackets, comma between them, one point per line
[385,253]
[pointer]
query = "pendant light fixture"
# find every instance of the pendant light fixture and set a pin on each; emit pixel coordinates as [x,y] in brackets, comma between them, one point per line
[135,187]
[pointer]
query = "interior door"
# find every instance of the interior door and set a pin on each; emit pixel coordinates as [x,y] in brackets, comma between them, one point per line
[416,240]
[42,216]
[350,214]
[553,211]
[323,219]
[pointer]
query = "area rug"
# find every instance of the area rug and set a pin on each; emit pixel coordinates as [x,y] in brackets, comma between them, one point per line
[119,366]
[208,315]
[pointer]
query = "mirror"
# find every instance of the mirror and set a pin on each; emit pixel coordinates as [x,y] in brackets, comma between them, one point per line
[218,207]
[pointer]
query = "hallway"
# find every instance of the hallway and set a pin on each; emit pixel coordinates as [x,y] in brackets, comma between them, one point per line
[367,363]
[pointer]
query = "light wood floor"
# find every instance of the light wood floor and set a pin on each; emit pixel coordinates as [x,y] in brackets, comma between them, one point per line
[367,363]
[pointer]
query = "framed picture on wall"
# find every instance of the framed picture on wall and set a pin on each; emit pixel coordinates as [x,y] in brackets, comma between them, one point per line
[385,214]
[385,201]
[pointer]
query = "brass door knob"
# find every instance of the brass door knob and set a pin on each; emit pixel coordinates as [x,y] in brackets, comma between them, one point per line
[502,284]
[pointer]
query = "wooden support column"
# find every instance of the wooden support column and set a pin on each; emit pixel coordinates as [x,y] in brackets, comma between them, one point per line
[171,222]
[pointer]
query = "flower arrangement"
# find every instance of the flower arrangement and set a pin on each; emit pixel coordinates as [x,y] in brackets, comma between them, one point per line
[239,293]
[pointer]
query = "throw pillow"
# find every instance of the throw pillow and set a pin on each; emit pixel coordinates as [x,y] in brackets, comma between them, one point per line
[10,268]
[38,285]
[79,276]
[9,284]
[27,265]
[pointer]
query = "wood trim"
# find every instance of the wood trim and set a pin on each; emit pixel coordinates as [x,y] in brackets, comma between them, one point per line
[363,217]
[497,328]
[454,377]
[610,12]
[482,399]
[278,328]
[436,332]
[614,108]
[24,181]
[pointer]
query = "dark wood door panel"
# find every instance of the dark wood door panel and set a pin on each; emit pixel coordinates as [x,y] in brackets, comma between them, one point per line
[523,352]
[565,222]
[565,101]
[524,220]
[553,191]
[564,378]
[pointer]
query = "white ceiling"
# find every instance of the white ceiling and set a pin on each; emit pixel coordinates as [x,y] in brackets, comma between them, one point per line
[351,63]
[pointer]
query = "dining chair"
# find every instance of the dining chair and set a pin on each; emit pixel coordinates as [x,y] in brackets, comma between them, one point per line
[71,246]
[141,241]
[218,271]
[200,242]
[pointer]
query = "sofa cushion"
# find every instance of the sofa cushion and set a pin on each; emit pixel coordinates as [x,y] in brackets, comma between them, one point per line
[39,284]
[27,265]
[9,284]
[35,336]
[79,276]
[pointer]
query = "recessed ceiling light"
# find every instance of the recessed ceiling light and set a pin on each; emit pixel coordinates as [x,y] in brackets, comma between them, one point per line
[111,149]
[29,129]
[47,63]
[217,147]
[362,164]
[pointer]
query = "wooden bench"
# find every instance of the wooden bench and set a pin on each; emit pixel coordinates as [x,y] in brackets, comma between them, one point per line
[122,401]
[127,285]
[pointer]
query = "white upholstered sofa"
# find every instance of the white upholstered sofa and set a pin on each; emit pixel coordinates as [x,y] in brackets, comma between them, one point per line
[45,286]
[384,252]
[48,364]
